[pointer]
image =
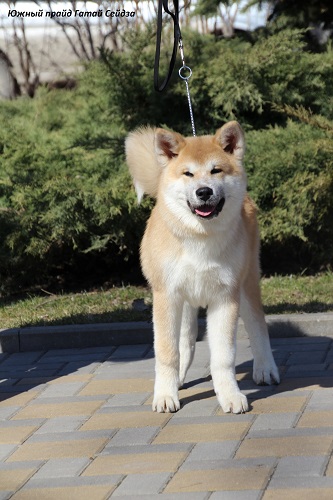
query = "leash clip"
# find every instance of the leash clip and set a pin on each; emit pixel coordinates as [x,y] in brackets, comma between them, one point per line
[186,78]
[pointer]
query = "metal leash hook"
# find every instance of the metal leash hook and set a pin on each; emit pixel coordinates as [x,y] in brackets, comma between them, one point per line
[186,78]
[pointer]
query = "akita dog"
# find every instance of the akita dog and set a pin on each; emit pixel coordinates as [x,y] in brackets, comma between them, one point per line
[200,248]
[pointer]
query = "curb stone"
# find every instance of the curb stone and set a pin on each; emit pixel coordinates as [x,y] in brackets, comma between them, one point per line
[102,334]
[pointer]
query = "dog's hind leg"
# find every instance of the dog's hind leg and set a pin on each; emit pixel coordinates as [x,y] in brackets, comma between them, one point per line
[188,337]
[265,370]
[167,313]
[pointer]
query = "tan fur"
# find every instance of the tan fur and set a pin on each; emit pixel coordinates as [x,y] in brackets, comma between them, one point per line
[200,248]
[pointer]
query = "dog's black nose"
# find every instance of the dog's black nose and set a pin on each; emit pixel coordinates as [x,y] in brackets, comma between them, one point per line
[204,193]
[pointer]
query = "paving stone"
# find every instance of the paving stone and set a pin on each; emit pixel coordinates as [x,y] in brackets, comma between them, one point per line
[309,368]
[151,448]
[130,351]
[125,409]
[58,409]
[230,418]
[274,421]
[297,493]
[54,449]
[62,390]
[70,488]
[284,446]
[65,424]
[71,436]
[132,436]
[291,432]
[21,358]
[301,482]
[305,373]
[27,464]
[78,367]
[131,399]
[307,383]
[3,356]
[142,484]
[329,470]
[271,404]
[5,495]
[126,365]
[211,451]
[196,403]
[31,374]
[244,463]
[119,386]
[19,399]
[321,400]
[72,377]
[5,382]
[202,432]
[180,496]
[15,479]
[65,467]
[6,450]
[8,411]
[16,434]
[73,358]
[97,492]
[135,463]
[300,466]
[126,419]
[214,480]
[74,481]
[316,419]
[107,350]
[237,495]
[310,357]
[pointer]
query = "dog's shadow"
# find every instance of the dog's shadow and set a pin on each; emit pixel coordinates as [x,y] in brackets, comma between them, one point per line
[305,363]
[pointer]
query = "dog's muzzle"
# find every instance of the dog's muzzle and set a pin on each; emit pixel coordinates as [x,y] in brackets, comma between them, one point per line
[207,210]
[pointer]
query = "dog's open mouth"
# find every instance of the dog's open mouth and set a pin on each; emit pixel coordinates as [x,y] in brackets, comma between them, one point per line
[207,211]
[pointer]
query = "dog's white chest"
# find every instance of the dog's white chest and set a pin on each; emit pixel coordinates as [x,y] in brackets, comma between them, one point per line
[201,273]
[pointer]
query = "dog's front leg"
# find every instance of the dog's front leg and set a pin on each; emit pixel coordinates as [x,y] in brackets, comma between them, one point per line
[167,319]
[221,325]
[188,337]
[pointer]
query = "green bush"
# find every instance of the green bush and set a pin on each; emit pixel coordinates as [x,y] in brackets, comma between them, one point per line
[67,206]
[290,175]
[65,193]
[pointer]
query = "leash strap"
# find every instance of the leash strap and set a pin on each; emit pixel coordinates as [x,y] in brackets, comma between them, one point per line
[185,72]
[177,37]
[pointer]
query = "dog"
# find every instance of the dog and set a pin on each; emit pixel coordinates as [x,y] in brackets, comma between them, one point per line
[200,248]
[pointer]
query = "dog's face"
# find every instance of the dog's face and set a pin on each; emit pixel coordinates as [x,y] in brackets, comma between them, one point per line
[203,177]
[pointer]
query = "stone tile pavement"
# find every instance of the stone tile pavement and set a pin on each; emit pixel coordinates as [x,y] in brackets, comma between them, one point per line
[77,424]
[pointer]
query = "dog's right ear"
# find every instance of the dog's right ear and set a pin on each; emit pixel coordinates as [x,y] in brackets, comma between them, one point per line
[167,145]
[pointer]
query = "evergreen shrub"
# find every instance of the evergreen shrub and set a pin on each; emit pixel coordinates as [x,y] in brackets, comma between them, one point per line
[66,201]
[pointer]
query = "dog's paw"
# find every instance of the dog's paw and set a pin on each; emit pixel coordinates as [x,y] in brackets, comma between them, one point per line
[266,373]
[166,404]
[234,403]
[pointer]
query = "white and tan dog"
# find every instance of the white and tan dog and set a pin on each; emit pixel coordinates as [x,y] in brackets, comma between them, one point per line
[200,248]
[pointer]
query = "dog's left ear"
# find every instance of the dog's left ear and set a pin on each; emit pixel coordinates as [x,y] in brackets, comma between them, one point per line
[231,138]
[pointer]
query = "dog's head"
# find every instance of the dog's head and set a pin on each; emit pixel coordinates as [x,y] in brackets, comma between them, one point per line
[202,176]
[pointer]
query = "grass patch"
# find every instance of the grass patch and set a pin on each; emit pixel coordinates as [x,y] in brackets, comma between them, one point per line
[281,294]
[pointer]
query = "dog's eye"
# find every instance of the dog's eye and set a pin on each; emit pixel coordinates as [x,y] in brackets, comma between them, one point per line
[188,174]
[215,171]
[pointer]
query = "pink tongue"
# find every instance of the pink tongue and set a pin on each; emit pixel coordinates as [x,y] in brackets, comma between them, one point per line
[205,212]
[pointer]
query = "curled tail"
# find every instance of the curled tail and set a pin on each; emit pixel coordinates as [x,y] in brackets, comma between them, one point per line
[142,161]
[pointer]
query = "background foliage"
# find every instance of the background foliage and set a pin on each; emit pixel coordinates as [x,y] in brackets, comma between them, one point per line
[68,213]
